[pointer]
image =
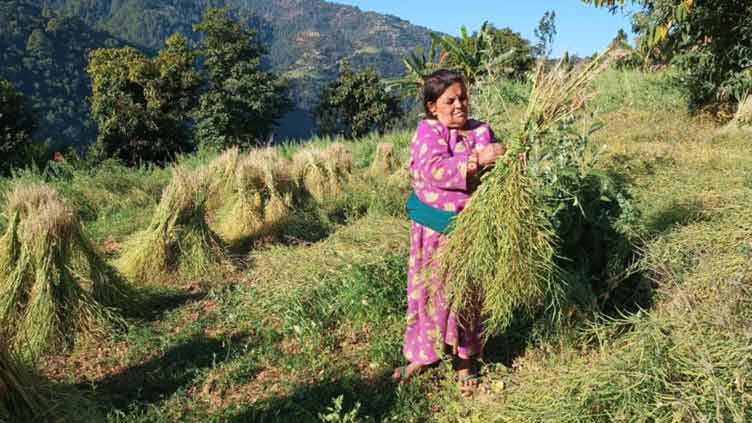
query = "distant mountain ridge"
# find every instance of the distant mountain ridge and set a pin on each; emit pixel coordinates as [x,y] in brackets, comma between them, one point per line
[44,56]
[44,45]
[305,39]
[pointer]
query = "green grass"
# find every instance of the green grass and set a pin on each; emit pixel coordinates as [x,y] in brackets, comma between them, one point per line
[318,314]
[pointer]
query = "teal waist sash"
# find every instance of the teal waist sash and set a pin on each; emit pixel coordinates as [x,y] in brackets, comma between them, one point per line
[425,215]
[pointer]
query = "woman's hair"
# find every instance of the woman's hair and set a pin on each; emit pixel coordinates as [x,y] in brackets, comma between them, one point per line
[436,83]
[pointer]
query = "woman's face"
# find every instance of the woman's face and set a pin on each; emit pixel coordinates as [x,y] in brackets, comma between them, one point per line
[451,108]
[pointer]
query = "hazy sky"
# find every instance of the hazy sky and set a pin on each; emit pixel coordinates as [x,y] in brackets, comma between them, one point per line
[582,29]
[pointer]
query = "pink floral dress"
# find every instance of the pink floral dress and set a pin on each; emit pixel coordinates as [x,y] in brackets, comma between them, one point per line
[438,164]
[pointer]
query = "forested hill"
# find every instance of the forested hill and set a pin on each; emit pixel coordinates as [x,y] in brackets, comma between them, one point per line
[305,39]
[301,35]
[45,58]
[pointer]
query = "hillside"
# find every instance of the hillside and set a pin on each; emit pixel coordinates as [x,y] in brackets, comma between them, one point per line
[45,57]
[314,311]
[305,40]
[302,36]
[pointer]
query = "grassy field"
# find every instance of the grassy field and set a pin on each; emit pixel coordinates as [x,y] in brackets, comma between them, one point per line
[306,326]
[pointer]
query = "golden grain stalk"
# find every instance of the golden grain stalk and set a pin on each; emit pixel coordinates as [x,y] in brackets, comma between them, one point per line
[221,173]
[262,199]
[322,172]
[384,162]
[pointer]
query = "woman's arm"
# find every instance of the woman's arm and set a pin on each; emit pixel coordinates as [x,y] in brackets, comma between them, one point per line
[487,146]
[432,157]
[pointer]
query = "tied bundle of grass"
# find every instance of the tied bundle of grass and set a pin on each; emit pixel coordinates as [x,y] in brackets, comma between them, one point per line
[507,242]
[178,239]
[383,163]
[323,172]
[743,115]
[20,399]
[53,285]
[221,173]
[262,200]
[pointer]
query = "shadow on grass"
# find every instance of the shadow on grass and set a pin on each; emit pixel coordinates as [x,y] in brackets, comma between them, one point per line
[160,377]
[307,224]
[156,304]
[377,398]
[675,214]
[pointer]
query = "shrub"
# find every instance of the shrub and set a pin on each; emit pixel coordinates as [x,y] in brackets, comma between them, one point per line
[355,104]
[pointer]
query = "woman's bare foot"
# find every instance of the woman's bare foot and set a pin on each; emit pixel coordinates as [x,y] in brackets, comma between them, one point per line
[404,373]
[467,375]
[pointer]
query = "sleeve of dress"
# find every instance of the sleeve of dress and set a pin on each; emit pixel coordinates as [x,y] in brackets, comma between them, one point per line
[483,136]
[437,165]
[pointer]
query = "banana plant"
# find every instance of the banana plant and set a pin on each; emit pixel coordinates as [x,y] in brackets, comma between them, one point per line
[468,53]
[418,65]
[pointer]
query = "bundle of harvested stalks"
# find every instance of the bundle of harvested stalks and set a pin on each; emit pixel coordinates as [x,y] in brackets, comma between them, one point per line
[178,237]
[507,243]
[743,116]
[53,284]
[383,163]
[322,172]
[221,173]
[19,396]
[262,199]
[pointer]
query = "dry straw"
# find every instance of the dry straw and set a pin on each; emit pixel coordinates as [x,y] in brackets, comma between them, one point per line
[261,201]
[53,284]
[501,253]
[384,162]
[322,172]
[221,173]
[743,116]
[178,239]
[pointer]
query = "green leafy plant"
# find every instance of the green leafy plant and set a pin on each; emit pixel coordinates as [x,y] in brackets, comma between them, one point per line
[506,233]
[709,41]
[335,413]
[355,104]
[140,104]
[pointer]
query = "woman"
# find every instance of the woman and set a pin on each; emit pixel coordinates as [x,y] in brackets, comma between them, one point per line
[446,155]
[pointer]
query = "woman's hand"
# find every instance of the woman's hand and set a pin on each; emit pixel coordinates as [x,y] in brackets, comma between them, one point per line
[490,154]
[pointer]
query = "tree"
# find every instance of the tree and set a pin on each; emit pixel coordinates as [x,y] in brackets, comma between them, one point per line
[502,42]
[17,123]
[545,33]
[488,50]
[141,105]
[242,102]
[621,40]
[709,41]
[355,104]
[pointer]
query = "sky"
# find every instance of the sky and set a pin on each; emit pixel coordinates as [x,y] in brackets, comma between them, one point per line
[581,29]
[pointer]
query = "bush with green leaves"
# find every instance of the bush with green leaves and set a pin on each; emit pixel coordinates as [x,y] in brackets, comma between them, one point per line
[489,50]
[710,41]
[141,104]
[355,104]
[543,234]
